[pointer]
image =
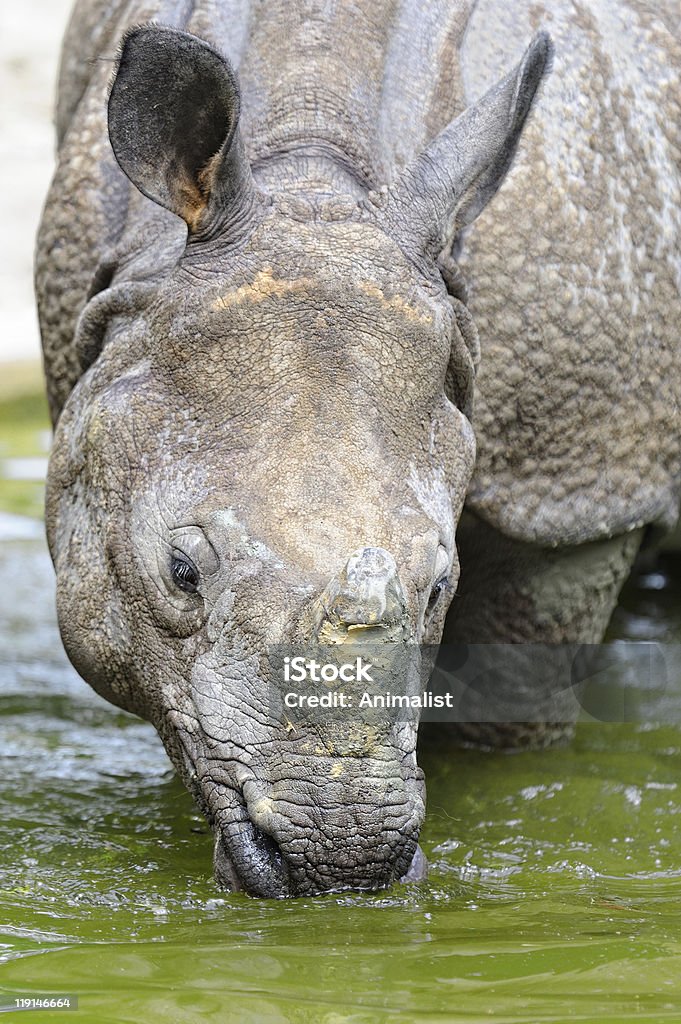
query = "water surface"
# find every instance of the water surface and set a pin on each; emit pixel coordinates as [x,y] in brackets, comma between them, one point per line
[553,893]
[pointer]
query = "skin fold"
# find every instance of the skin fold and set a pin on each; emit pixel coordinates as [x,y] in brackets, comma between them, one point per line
[261,358]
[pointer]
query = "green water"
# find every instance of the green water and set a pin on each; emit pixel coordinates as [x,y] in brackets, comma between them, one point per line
[24,427]
[553,893]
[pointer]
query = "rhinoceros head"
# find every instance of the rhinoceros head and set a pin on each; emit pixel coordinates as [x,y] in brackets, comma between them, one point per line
[273,447]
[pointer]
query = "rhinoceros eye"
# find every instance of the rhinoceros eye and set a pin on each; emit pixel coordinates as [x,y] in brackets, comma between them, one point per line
[184,573]
[440,586]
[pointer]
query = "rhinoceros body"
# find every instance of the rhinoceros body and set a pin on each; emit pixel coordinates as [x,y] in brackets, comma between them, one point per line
[261,360]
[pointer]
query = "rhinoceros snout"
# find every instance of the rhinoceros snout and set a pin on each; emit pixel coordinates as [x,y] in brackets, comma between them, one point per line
[333,800]
[257,866]
[293,845]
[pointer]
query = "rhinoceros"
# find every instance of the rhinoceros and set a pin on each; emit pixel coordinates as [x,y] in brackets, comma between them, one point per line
[260,290]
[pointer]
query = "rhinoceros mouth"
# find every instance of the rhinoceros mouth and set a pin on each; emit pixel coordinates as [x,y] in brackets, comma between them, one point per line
[246,859]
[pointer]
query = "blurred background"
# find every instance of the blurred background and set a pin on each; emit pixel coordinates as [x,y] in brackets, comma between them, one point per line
[30,37]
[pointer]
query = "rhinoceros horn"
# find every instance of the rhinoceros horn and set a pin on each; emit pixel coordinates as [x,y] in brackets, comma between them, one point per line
[366,596]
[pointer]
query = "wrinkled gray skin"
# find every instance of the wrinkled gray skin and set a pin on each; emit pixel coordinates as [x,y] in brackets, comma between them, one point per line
[259,361]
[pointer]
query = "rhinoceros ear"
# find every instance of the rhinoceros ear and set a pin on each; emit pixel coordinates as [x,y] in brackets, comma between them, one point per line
[457,174]
[173,124]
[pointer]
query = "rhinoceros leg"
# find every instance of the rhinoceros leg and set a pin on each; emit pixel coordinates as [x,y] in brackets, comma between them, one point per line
[512,592]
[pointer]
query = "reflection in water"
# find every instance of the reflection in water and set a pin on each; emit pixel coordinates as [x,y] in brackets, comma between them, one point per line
[553,892]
